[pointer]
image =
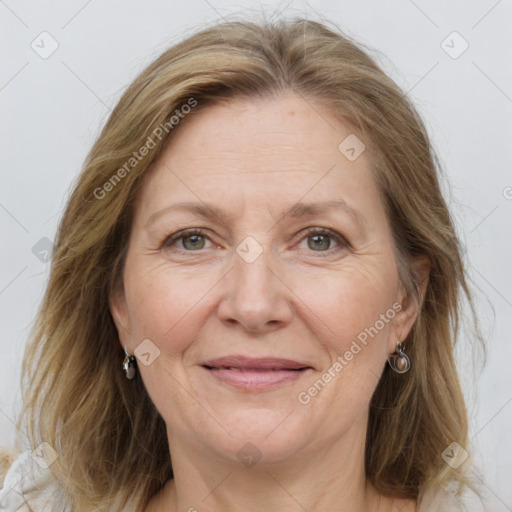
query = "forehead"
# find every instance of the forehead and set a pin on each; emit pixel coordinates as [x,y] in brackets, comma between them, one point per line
[256,152]
[253,130]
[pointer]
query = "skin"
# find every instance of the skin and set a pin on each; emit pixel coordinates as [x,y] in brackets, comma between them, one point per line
[255,159]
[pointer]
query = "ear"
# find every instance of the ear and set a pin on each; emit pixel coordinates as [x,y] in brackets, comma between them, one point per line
[119,311]
[406,317]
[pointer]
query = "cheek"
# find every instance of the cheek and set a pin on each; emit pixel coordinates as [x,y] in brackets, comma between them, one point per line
[357,306]
[165,305]
[350,304]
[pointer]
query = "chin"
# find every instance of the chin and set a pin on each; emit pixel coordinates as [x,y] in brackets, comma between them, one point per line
[271,436]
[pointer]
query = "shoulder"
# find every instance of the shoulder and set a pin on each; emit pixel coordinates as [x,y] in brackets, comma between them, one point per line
[28,487]
[434,499]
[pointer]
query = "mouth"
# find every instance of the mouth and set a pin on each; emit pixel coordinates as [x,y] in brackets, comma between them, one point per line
[255,374]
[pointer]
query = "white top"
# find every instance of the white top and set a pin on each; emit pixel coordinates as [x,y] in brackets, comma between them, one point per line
[25,476]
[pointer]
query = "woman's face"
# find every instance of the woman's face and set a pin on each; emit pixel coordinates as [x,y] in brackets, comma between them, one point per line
[261,293]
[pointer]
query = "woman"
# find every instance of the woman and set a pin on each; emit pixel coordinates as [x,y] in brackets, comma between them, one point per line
[254,295]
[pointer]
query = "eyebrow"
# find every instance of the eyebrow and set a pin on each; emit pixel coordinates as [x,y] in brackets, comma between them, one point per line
[297,211]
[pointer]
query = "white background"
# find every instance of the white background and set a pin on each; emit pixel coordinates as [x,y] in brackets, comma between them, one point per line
[52,110]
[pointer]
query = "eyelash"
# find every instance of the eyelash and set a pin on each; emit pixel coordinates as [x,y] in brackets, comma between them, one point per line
[169,241]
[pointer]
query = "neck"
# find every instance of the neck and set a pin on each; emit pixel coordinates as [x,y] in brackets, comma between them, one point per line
[326,477]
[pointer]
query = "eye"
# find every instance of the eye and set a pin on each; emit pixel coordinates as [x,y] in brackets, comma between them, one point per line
[194,241]
[321,240]
[190,240]
[318,240]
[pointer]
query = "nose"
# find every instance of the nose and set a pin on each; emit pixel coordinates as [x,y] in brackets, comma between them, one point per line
[256,296]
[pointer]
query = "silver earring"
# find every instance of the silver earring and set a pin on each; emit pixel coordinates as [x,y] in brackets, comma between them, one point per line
[399,361]
[129,365]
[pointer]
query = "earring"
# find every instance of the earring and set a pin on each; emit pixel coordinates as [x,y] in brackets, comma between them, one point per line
[399,361]
[129,365]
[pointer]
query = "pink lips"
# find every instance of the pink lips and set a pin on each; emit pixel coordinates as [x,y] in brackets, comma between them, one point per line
[255,374]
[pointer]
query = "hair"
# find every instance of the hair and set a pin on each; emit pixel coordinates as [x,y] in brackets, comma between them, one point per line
[77,398]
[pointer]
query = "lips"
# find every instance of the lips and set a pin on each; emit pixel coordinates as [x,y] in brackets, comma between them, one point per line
[255,374]
[242,363]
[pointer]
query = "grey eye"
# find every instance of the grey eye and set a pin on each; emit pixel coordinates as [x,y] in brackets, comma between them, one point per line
[319,242]
[195,242]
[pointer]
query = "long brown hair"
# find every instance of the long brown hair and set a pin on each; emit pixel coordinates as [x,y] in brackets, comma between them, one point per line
[78,400]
